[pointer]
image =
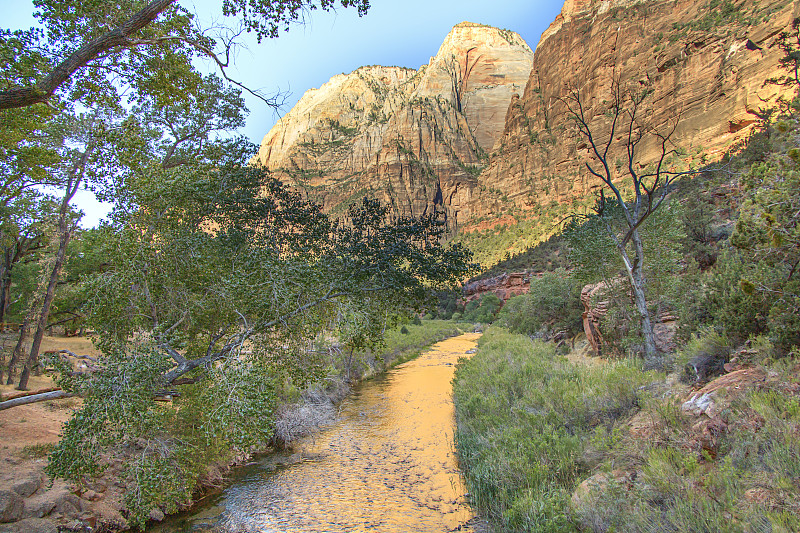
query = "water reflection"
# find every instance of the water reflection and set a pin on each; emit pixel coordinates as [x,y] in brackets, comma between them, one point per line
[388,464]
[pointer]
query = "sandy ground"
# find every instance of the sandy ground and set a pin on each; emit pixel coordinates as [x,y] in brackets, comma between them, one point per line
[581,353]
[24,429]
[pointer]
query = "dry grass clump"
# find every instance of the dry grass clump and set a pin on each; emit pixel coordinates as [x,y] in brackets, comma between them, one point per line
[316,408]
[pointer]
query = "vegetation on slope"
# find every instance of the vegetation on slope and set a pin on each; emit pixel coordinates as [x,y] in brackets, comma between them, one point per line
[549,445]
[533,426]
[526,419]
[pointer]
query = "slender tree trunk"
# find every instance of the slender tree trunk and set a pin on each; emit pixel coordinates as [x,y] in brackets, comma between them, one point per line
[65,233]
[65,229]
[16,355]
[635,271]
[5,284]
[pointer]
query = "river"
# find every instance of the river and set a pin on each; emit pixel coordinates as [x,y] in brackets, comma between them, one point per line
[387,465]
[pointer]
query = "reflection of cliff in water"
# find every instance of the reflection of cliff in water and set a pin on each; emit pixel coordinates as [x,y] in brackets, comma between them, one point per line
[387,465]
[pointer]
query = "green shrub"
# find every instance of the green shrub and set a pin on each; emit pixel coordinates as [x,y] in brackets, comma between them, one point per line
[483,310]
[552,305]
[702,357]
[37,451]
[525,418]
[694,489]
[404,330]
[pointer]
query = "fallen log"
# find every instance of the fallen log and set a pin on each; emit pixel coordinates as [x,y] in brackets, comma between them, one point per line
[33,398]
[20,394]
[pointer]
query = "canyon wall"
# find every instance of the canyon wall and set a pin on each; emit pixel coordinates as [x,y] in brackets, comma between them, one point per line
[705,61]
[481,131]
[416,139]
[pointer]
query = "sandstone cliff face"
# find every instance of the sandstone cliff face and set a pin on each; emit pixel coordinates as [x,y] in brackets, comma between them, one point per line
[504,286]
[445,135]
[706,62]
[415,139]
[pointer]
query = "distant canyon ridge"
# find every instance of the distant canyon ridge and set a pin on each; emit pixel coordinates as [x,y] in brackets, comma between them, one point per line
[479,132]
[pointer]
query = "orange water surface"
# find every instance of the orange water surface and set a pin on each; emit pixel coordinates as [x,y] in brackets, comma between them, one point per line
[387,465]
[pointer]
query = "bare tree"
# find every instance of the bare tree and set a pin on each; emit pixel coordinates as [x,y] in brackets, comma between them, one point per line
[627,132]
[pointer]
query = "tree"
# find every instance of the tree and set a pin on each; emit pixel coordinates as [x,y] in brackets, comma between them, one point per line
[92,49]
[220,281]
[23,232]
[628,131]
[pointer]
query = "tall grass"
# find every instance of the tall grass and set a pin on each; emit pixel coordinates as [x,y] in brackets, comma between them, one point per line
[742,476]
[528,423]
[532,427]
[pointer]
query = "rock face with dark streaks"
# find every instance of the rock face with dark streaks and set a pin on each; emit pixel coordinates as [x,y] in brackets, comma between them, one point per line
[413,138]
[460,133]
[705,61]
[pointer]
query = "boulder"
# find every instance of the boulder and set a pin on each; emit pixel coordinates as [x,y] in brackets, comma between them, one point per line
[28,485]
[91,496]
[12,506]
[157,514]
[59,499]
[30,525]
[584,499]
[108,516]
[593,312]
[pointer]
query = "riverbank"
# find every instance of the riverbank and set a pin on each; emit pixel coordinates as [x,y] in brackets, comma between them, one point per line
[550,445]
[387,464]
[28,433]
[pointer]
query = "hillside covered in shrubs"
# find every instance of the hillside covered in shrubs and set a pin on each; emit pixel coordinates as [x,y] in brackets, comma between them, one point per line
[706,440]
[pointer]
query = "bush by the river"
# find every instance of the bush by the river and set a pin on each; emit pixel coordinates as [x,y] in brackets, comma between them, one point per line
[548,445]
[525,418]
[552,305]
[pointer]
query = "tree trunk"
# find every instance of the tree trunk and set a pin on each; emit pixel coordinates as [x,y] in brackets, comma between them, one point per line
[16,355]
[41,325]
[51,395]
[64,234]
[635,272]
[5,284]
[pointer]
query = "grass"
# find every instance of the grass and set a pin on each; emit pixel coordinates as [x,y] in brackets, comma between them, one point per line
[36,451]
[401,347]
[532,427]
[738,470]
[527,424]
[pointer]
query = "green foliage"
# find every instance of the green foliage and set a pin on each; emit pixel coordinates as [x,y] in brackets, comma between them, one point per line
[684,489]
[542,257]
[220,280]
[595,257]
[36,451]
[701,359]
[525,416]
[449,302]
[484,310]
[748,286]
[552,305]
[768,235]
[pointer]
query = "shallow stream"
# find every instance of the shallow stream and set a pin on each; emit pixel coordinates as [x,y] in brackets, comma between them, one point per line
[387,465]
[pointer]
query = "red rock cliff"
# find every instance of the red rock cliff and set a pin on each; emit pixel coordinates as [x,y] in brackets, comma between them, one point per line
[705,60]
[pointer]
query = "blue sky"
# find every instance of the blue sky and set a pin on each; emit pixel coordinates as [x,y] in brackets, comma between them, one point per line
[403,33]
